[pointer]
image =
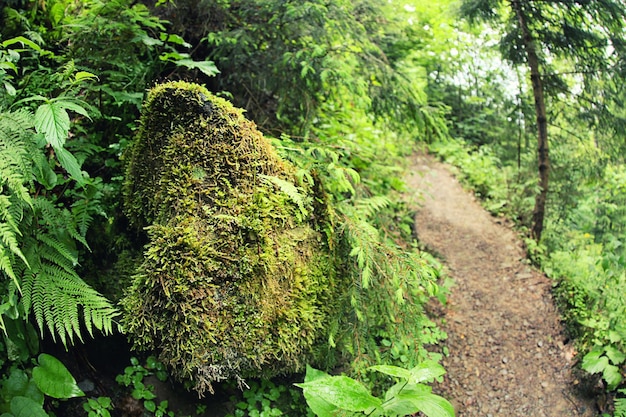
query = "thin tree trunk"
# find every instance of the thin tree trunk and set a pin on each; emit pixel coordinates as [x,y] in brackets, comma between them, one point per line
[543,157]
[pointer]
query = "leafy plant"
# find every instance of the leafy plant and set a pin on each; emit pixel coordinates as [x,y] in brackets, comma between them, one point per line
[134,376]
[605,360]
[39,235]
[265,398]
[620,405]
[23,391]
[98,407]
[330,395]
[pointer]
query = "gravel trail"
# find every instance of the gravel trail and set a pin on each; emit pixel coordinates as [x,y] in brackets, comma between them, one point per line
[508,352]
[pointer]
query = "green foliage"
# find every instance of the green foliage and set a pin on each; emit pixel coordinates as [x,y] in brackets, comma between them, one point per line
[192,201]
[23,390]
[605,360]
[282,61]
[134,376]
[266,398]
[53,379]
[74,75]
[39,252]
[330,395]
[98,407]
[384,320]
[620,405]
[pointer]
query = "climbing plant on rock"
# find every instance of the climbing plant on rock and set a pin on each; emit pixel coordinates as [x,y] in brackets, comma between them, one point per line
[236,281]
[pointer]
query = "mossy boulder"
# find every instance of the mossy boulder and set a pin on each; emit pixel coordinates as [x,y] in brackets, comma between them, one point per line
[236,281]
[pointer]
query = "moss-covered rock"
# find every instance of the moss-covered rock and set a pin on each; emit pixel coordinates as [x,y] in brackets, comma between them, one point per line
[236,280]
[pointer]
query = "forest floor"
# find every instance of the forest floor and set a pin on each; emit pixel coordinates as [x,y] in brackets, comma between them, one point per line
[508,351]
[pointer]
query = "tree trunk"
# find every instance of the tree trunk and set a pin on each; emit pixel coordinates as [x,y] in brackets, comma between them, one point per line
[543,158]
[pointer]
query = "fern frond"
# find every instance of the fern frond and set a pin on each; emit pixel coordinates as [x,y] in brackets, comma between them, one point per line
[57,252]
[58,298]
[55,217]
[15,163]
[6,265]
[84,210]
[289,189]
[10,212]
[620,405]
[368,207]
[46,209]
[8,239]
[81,211]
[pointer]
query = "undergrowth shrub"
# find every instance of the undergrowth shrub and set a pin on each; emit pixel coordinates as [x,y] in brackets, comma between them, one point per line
[391,280]
[590,281]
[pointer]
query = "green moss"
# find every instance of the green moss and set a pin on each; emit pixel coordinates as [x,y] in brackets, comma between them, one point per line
[236,280]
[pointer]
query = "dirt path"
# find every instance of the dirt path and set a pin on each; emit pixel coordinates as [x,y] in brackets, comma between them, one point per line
[508,355]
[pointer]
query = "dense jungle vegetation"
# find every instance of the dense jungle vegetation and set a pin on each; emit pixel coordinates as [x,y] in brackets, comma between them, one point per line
[524,97]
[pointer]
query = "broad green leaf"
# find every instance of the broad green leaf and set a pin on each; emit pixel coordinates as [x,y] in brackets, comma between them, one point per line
[10,89]
[172,56]
[206,67]
[615,355]
[148,40]
[23,41]
[614,336]
[52,120]
[341,391]
[399,407]
[44,174]
[16,384]
[175,39]
[393,391]
[312,374]
[70,164]
[595,361]
[150,406]
[85,75]
[428,403]
[25,407]
[392,370]
[612,376]
[70,105]
[426,371]
[319,406]
[53,378]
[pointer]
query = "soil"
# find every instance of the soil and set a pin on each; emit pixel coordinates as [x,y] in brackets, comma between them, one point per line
[509,354]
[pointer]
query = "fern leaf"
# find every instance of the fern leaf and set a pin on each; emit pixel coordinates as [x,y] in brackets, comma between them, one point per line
[57,297]
[620,405]
[10,212]
[59,253]
[301,200]
[8,238]
[15,164]
[81,212]
[54,217]
[368,207]
[6,265]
